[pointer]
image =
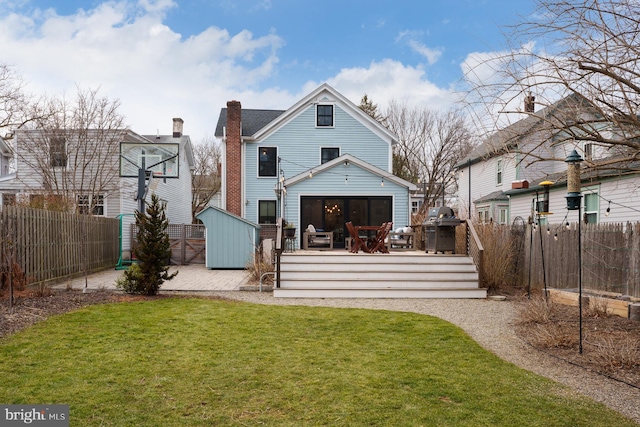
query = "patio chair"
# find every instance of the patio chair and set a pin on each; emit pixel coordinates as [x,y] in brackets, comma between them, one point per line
[319,239]
[379,242]
[402,238]
[357,242]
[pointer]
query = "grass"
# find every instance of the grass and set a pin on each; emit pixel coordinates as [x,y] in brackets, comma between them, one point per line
[198,362]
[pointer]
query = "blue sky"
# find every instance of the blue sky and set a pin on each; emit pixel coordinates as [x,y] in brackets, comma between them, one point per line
[172,58]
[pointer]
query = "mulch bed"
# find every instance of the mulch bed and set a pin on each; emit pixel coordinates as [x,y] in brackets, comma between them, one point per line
[610,344]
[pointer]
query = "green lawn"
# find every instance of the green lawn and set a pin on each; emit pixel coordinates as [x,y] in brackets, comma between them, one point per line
[199,362]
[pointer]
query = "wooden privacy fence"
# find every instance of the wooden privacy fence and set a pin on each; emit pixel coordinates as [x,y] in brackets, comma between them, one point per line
[610,257]
[49,246]
[523,256]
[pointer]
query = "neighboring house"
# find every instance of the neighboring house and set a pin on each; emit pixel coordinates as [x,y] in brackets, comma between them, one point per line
[609,194]
[322,162]
[54,172]
[6,154]
[501,176]
[6,176]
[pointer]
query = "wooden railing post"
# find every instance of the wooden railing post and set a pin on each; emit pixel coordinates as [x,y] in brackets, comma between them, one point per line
[279,249]
[476,251]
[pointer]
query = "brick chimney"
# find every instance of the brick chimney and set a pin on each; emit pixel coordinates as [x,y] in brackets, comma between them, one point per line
[529,103]
[177,127]
[233,158]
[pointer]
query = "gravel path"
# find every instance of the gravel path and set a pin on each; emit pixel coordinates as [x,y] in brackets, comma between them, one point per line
[490,323]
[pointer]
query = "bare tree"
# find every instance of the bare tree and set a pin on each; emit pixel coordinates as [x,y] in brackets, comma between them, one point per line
[206,176]
[15,104]
[583,51]
[72,151]
[430,144]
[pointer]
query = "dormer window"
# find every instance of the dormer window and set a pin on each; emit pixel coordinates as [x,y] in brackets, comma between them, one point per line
[324,115]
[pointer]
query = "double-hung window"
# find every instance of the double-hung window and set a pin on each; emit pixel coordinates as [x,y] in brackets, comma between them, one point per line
[324,115]
[591,204]
[266,211]
[58,152]
[267,161]
[328,154]
[93,204]
[499,167]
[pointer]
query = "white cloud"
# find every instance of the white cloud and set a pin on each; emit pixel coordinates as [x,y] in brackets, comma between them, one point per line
[388,80]
[127,51]
[500,80]
[432,55]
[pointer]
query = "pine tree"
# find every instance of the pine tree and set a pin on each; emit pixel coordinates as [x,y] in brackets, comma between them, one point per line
[152,251]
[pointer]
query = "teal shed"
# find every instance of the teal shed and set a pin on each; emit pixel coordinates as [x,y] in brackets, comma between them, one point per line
[230,240]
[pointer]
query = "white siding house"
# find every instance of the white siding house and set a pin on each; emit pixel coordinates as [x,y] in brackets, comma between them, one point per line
[55,168]
[502,176]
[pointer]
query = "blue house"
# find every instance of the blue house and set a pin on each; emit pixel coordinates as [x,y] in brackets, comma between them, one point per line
[323,162]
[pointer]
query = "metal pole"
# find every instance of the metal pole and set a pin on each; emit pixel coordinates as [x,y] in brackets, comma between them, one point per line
[469,189]
[544,271]
[580,270]
[530,248]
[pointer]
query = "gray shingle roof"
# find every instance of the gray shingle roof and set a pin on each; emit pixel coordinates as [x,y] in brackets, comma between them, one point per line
[510,136]
[252,120]
[495,196]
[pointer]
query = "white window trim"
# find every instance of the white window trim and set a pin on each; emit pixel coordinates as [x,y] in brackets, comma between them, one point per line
[258,209]
[499,172]
[97,197]
[258,162]
[333,117]
[322,148]
[595,190]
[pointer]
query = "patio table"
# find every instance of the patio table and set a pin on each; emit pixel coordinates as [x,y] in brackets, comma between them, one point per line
[371,243]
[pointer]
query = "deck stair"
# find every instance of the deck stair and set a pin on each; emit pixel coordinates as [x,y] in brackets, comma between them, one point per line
[340,274]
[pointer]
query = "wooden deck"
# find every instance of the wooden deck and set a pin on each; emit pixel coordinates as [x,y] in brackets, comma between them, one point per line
[408,274]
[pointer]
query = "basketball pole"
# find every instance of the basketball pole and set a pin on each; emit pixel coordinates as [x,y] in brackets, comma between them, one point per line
[142,189]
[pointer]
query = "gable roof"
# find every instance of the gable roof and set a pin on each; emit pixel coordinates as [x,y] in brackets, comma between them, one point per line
[326,94]
[257,124]
[509,137]
[356,161]
[252,120]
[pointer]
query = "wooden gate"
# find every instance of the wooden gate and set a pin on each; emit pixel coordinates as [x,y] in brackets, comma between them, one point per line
[187,243]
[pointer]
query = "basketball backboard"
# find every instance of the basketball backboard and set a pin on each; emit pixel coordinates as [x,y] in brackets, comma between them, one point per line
[159,159]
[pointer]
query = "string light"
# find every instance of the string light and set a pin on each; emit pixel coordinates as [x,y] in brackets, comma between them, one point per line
[548,231]
[567,225]
[310,174]
[346,180]
[555,237]
[382,183]
[608,209]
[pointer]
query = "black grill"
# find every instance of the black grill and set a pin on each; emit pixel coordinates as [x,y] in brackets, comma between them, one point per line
[440,230]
